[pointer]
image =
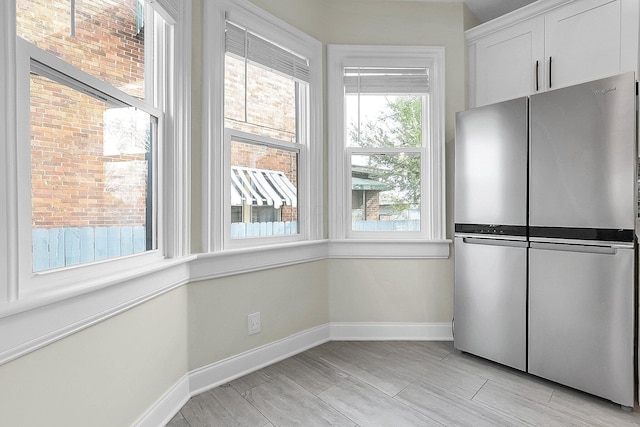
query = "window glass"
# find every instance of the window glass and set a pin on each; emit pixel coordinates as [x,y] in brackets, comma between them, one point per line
[385,192]
[386,128]
[104,38]
[259,101]
[378,121]
[91,191]
[264,190]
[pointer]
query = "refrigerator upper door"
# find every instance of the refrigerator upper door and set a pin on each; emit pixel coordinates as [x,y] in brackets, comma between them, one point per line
[491,164]
[583,156]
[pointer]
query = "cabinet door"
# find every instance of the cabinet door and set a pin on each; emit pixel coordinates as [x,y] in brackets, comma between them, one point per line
[584,41]
[506,63]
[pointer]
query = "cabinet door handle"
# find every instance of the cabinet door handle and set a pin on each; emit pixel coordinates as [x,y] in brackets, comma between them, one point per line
[537,76]
[549,72]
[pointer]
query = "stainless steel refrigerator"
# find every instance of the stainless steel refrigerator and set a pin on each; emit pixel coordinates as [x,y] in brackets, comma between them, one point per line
[545,209]
[490,232]
[583,175]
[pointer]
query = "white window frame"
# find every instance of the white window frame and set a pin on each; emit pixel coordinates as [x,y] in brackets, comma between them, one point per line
[46,281]
[52,301]
[431,240]
[216,162]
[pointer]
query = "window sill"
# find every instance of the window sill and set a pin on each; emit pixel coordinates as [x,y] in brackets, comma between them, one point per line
[352,248]
[238,261]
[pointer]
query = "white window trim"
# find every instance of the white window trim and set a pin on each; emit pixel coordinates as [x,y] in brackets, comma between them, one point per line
[8,148]
[344,243]
[27,324]
[310,199]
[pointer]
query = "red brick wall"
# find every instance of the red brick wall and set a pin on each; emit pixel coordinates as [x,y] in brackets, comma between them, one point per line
[106,43]
[271,101]
[73,182]
[373,205]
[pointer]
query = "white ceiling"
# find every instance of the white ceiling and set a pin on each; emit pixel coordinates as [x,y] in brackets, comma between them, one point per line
[486,10]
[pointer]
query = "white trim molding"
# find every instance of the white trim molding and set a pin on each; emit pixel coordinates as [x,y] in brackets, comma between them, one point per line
[165,408]
[227,263]
[215,374]
[8,155]
[390,331]
[526,12]
[178,155]
[389,249]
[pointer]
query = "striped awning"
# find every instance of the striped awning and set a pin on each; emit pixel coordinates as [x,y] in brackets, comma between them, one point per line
[261,187]
[368,184]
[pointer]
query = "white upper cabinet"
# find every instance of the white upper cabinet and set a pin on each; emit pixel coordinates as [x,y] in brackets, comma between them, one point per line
[551,44]
[510,63]
[584,41]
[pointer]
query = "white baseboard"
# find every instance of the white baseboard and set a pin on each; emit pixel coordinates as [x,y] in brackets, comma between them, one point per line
[221,372]
[391,331]
[218,373]
[167,406]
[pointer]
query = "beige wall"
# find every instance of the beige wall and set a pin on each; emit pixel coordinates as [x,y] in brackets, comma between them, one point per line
[363,290]
[289,299]
[106,375]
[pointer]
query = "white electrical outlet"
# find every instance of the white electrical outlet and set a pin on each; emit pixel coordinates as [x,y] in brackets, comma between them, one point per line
[254,323]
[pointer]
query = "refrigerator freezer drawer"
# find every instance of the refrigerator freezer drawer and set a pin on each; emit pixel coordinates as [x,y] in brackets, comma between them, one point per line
[490,299]
[581,319]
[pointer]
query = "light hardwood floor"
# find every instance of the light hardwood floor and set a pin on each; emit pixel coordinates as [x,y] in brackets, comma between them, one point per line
[395,384]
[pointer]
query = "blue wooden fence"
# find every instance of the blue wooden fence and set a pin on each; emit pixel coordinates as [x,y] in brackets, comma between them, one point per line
[240,230]
[392,225]
[60,247]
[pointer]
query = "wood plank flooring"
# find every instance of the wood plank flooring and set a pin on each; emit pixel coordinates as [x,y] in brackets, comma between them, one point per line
[395,384]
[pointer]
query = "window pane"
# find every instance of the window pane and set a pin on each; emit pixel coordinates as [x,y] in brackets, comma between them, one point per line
[104,38]
[91,180]
[384,120]
[264,187]
[385,192]
[260,101]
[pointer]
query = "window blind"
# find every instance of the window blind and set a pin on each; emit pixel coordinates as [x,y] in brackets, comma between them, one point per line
[245,44]
[386,80]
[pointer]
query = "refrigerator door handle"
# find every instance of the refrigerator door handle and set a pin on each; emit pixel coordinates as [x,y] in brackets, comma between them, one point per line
[604,250]
[495,242]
